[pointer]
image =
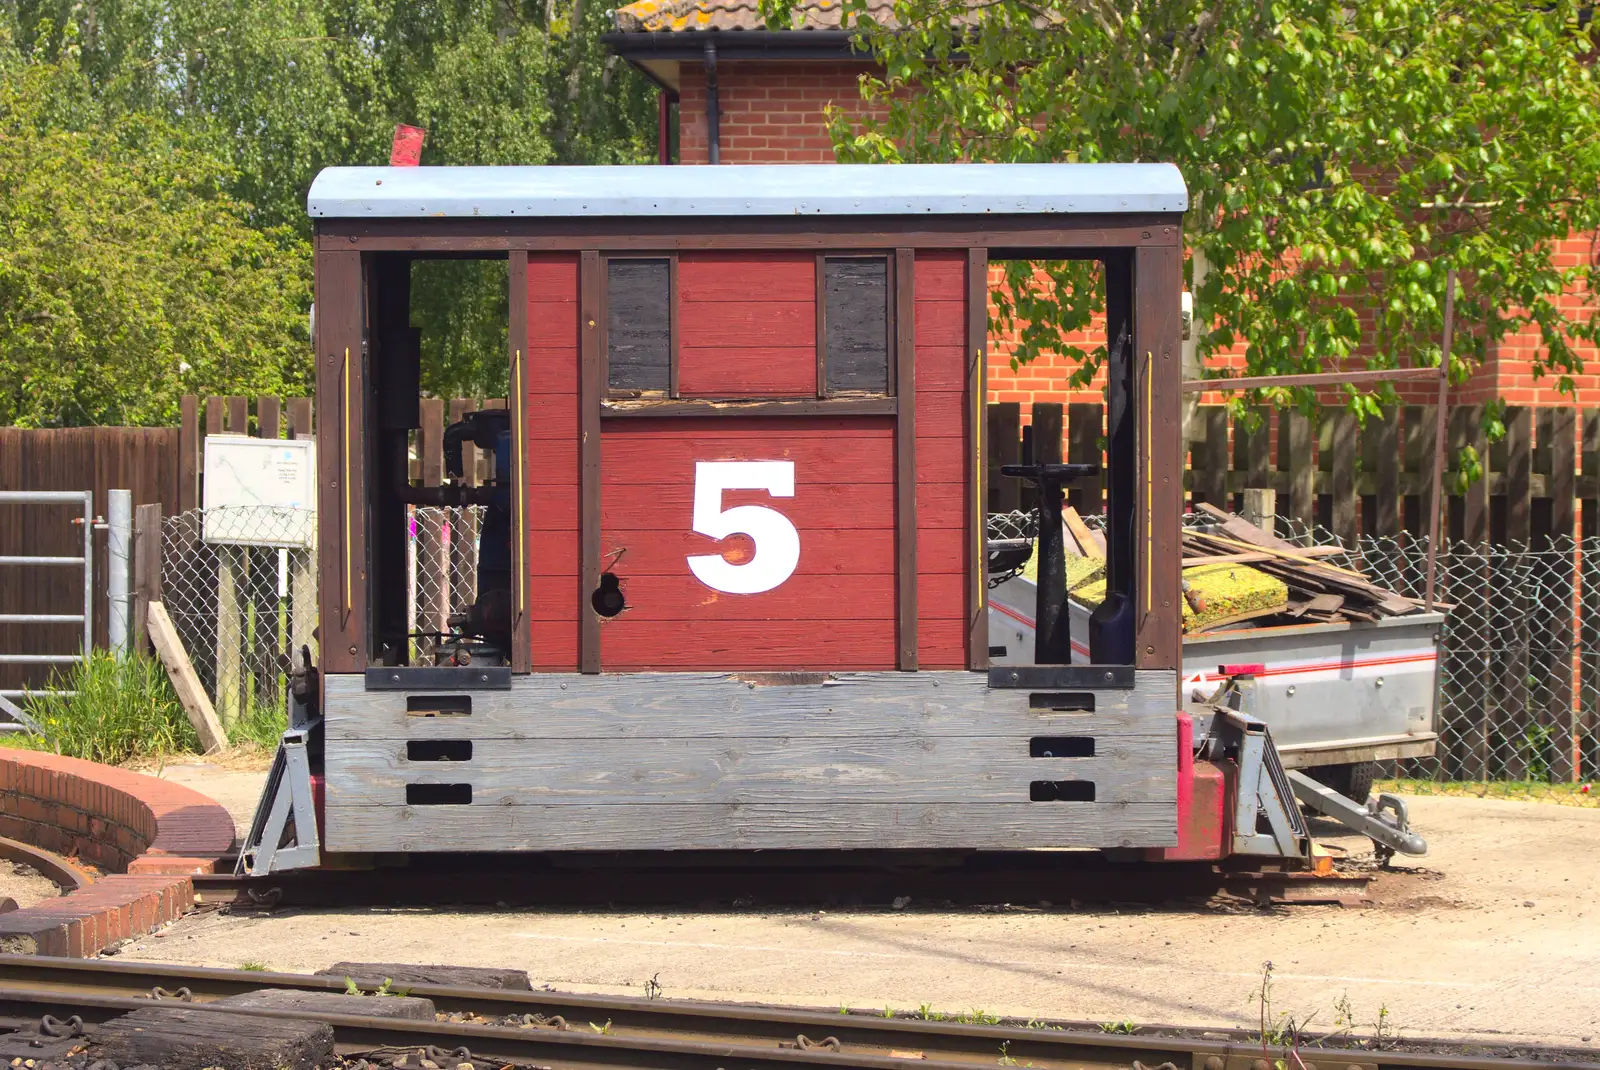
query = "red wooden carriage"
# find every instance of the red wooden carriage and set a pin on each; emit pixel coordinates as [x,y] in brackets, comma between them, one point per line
[742,503]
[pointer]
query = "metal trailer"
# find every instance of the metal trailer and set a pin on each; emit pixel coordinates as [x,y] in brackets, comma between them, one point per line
[1333,694]
[732,568]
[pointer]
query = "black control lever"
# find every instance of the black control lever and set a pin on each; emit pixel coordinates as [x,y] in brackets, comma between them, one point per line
[1052,634]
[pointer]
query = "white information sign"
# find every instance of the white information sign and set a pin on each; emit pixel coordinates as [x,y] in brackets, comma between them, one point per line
[260,491]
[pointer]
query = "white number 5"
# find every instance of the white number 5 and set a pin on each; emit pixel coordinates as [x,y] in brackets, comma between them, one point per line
[777,541]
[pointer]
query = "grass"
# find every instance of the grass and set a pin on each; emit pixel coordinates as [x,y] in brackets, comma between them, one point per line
[125,710]
[1586,794]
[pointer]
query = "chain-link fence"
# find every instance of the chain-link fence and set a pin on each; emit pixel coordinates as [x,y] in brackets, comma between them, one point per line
[240,587]
[1519,655]
[1519,679]
[243,599]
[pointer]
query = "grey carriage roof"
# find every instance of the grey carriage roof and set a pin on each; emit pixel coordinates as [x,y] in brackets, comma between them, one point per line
[753,190]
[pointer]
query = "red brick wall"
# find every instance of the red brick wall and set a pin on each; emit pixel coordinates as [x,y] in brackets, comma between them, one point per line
[774,112]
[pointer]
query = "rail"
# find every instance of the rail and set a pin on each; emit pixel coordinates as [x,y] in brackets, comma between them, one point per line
[86,561]
[561,1029]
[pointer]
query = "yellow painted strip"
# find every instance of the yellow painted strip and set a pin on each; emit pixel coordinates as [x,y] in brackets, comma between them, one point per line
[1149,485]
[520,446]
[349,588]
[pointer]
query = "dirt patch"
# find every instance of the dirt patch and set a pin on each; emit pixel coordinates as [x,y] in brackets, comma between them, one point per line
[24,884]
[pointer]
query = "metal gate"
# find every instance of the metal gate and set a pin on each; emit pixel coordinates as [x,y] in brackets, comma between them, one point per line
[85,561]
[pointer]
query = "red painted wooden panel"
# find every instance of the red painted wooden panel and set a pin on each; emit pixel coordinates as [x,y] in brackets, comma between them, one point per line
[941,276]
[942,644]
[941,323]
[741,324]
[800,603]
[856,507]
[748,645]
[552,415]
[843,480]
[746,277]
[841,457]
[552,277]
[769,372]
[550,425]
[940,414]
[941,458]
[941,368]
[788,428]
[823,552]
[941,505]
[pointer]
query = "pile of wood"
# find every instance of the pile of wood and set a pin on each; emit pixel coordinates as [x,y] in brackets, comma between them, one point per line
[1319,591]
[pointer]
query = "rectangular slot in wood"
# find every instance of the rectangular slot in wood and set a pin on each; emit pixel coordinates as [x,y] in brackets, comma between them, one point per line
[1061,791]
[1058,747]
[1062,701]
[438,794]
[439,705]
[441,750]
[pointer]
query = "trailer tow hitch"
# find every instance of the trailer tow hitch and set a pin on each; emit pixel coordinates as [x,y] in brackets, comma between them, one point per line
[1384,819]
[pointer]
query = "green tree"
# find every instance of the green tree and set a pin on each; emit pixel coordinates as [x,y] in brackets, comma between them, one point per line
[283,88]
[1339,157]
[128,276]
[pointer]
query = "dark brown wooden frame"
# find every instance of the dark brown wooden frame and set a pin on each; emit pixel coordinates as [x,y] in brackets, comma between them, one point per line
[606,256]
[1154,241]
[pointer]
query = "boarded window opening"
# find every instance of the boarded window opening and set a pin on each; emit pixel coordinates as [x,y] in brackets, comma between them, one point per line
[856,322]
[438,794]
[1061,791]
[639,326]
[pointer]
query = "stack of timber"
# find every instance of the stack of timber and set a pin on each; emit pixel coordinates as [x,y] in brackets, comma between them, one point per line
[1318,590]
[1236,573]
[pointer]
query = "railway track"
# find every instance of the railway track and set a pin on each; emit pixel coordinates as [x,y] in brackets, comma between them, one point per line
[554,1030]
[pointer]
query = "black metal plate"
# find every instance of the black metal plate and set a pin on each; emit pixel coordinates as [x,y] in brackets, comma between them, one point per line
[442,678]
[1063,677]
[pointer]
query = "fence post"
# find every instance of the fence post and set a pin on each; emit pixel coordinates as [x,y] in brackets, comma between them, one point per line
[119,551]
[146,570]
[1005,447]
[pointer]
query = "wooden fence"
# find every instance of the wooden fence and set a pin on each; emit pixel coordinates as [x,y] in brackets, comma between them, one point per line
[1352,480]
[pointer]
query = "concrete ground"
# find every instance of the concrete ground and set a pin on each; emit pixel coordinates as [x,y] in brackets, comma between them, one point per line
[1497,933]
[25,885]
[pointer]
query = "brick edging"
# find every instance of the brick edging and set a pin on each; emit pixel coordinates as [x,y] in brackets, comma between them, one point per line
[151,835]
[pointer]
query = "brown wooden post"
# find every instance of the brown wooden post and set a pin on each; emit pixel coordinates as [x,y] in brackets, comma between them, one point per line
[977,606]
[146,569]
[188,453]
[300,418]
[591,388]
[1512,609]
[1158,398]
[518,357]
[1558,434]
[1212,480]
[905,452]
[341,462]
[1589,596]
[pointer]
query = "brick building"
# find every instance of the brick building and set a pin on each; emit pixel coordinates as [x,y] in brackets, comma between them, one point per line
[736,92]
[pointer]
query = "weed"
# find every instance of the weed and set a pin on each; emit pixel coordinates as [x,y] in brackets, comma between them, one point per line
[351,988]
[254,965]
[603,1030]
[1005,1058]
[928,1014]
[652,987]
[122,708]
[844,1008]
[888,1011]
[1127,1027]
[977,1016]
[385,989]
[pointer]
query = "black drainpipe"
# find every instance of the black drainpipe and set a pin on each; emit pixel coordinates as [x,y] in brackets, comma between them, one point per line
[713,110]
